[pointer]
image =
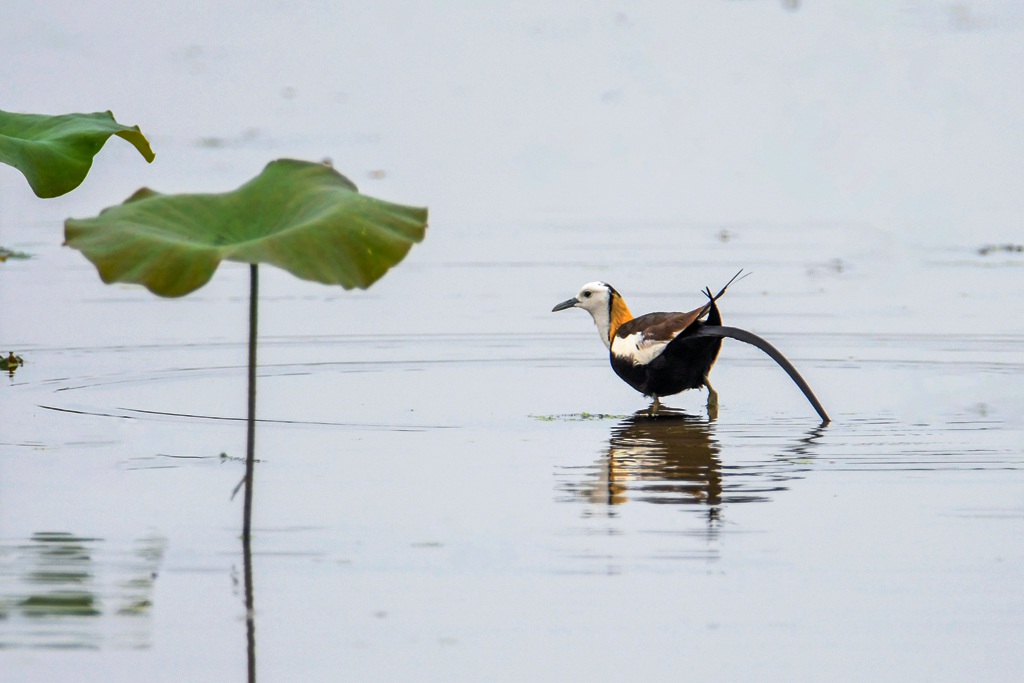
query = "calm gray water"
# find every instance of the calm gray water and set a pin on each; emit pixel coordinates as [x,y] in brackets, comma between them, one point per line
[452,484]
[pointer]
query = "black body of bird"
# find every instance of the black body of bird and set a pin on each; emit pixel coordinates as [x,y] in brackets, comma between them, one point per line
[685,362]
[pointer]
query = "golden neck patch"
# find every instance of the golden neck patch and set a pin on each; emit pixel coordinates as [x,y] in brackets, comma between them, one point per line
[618,314]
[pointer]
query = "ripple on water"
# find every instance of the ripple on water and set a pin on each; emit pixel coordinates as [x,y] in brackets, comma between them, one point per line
[704,466]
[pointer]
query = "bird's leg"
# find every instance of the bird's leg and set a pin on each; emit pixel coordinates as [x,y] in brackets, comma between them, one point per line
[712,394]
[712,400]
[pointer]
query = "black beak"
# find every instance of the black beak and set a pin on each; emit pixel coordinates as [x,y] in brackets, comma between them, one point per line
[568,303]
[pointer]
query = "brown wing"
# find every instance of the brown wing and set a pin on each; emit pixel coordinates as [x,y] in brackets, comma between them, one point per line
[660,327]
[664,327]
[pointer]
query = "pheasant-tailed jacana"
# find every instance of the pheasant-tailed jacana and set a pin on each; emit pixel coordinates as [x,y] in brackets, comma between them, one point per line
[660,354]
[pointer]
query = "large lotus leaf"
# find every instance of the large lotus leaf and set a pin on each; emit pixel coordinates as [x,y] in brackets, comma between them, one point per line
[55,152]
[304,217]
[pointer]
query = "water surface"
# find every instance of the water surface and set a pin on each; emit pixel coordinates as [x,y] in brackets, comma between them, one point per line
[452,483]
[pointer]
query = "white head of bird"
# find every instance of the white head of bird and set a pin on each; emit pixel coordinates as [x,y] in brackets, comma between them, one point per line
[604,304]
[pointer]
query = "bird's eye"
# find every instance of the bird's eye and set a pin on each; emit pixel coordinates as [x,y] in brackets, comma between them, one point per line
[586,295]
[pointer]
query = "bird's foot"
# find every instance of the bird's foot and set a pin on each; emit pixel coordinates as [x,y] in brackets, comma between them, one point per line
[655,406]
[712,400]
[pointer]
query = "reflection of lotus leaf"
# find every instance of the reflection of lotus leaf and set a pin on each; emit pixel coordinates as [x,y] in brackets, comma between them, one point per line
[303,217]
[76,590]
[55,152]
[59,604]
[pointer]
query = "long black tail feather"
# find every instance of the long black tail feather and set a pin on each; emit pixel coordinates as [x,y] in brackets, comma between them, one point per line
[776,355]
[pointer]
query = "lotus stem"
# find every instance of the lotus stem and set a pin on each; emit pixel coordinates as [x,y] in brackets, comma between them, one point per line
[250,460]
[250,445]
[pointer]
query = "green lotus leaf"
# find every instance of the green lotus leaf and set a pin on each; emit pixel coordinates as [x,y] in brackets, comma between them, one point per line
[304,217]
[55,152]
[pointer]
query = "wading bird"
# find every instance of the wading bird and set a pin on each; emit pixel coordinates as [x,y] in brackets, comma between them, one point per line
[660,354]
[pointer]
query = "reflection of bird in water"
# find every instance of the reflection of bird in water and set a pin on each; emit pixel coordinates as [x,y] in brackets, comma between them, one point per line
[673,457]
[667,458]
